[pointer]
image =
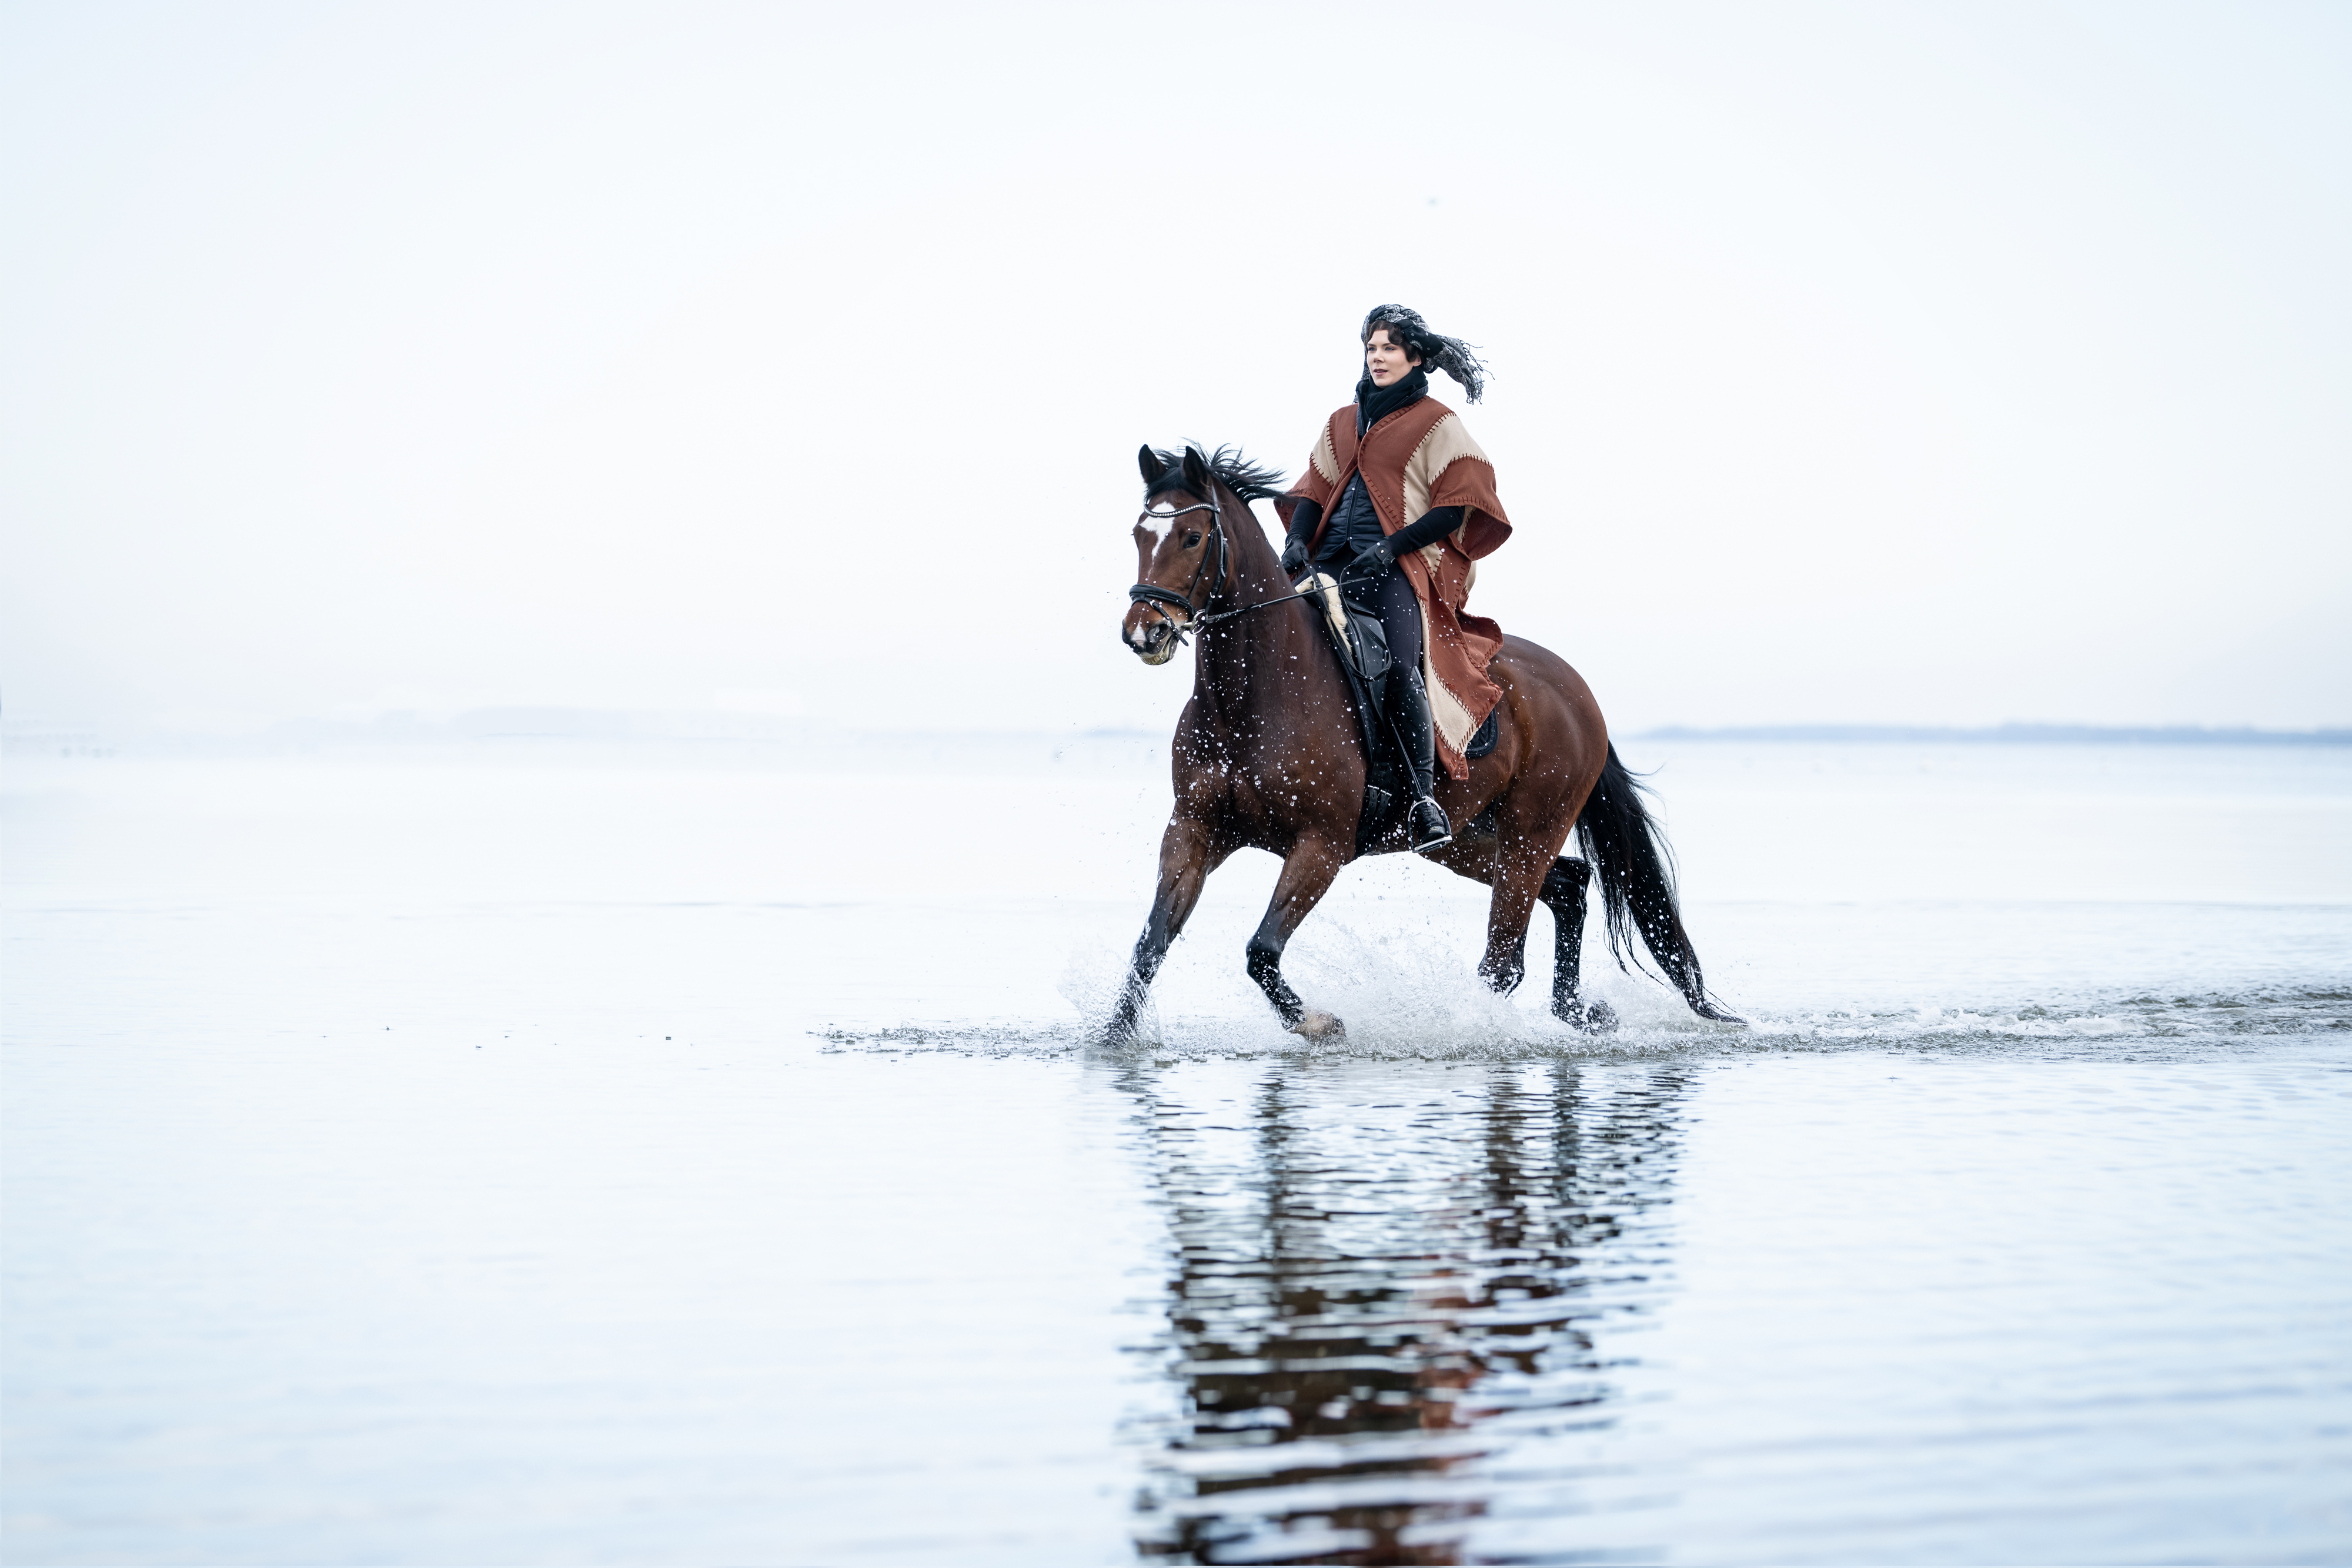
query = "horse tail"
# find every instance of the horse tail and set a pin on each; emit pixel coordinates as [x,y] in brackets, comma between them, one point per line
[1637,884]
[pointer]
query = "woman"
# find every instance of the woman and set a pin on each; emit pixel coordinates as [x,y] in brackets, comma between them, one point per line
[1396,502]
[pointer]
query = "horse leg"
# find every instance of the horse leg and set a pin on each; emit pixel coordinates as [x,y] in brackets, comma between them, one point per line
[1306,876]
[1561,892]
[1188,853]
[1505,963]
[1564,894]
[1518,877]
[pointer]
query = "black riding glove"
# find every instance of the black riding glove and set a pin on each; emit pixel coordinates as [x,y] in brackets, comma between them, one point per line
[1372,562]
[1303,518]
[1422,532]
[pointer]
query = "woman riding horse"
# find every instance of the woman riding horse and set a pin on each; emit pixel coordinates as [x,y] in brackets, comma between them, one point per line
[1266,755]
[1395,454]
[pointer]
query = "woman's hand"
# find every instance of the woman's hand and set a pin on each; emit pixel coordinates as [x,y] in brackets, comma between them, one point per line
[1373,561]
[1294,555]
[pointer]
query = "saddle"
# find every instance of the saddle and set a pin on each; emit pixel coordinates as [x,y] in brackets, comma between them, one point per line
[1362,644]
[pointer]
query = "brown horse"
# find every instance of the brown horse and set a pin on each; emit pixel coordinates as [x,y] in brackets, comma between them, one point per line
[1268,757]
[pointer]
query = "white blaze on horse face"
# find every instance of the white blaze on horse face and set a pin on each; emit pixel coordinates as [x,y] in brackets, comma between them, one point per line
[1161,517]
[1154,540]
[1143,620]
[1147,540]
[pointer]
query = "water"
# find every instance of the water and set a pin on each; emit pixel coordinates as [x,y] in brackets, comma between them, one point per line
[544,1153]
[1863,1310]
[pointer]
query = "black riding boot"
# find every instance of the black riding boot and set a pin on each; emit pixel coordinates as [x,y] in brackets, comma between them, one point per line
[1426,826]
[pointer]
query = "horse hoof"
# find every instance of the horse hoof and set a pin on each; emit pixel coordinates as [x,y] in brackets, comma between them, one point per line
[1592,1017]
[1313,1025]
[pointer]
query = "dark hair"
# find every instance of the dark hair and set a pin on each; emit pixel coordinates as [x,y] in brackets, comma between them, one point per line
[1434,349]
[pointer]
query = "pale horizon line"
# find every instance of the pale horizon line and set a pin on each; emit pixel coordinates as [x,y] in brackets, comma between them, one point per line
[556,721]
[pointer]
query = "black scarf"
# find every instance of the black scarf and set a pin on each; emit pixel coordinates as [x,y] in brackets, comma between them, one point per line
[1374,404]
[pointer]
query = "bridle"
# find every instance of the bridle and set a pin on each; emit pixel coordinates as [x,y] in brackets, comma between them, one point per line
[1199,617]
[1195,615]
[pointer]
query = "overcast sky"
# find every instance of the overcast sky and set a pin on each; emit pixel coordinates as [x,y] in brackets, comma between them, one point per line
[1944,364]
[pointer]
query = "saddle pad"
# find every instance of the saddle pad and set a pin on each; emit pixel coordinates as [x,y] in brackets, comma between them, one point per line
[1489,735]
[1334,610]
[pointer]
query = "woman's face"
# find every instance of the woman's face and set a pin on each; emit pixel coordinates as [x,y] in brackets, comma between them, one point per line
[1387,363]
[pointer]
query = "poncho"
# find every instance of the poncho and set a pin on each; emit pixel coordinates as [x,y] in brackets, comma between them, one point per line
[1416,458]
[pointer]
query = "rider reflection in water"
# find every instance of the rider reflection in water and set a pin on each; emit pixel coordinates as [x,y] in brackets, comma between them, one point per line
[1395,454]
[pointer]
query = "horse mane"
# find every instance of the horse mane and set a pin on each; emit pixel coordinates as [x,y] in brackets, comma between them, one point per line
[1250,481]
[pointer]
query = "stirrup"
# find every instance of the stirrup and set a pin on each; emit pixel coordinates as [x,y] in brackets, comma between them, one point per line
[1421,832]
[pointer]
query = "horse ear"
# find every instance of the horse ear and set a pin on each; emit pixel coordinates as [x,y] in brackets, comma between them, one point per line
[1148,460]
[1196,474]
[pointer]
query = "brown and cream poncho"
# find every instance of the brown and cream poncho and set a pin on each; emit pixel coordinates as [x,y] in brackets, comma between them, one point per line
[1416,458]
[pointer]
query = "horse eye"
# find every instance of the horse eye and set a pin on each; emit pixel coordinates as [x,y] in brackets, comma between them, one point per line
[1191,539]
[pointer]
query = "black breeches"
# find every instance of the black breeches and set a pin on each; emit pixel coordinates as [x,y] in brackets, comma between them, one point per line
[1392,600]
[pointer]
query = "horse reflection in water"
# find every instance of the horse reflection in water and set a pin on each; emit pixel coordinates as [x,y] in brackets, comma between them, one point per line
[1380,1289]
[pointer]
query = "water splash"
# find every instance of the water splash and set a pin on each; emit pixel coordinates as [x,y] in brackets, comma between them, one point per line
[1418,1008]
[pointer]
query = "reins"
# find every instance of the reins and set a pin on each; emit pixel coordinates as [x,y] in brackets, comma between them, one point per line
[1207,618]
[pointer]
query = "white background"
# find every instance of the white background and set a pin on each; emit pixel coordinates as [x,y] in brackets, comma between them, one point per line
[1852,363]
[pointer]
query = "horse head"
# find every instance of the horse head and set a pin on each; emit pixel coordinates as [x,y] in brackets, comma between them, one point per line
[1182,552]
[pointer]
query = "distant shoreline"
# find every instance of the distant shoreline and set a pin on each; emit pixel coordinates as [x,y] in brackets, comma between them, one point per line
[2013,734]
[527,725]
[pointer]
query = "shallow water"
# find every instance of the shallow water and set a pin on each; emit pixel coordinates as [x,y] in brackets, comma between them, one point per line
[540,1154]
[1866,1309]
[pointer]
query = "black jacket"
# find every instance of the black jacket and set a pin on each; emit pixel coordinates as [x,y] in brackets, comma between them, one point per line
[1355,522]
